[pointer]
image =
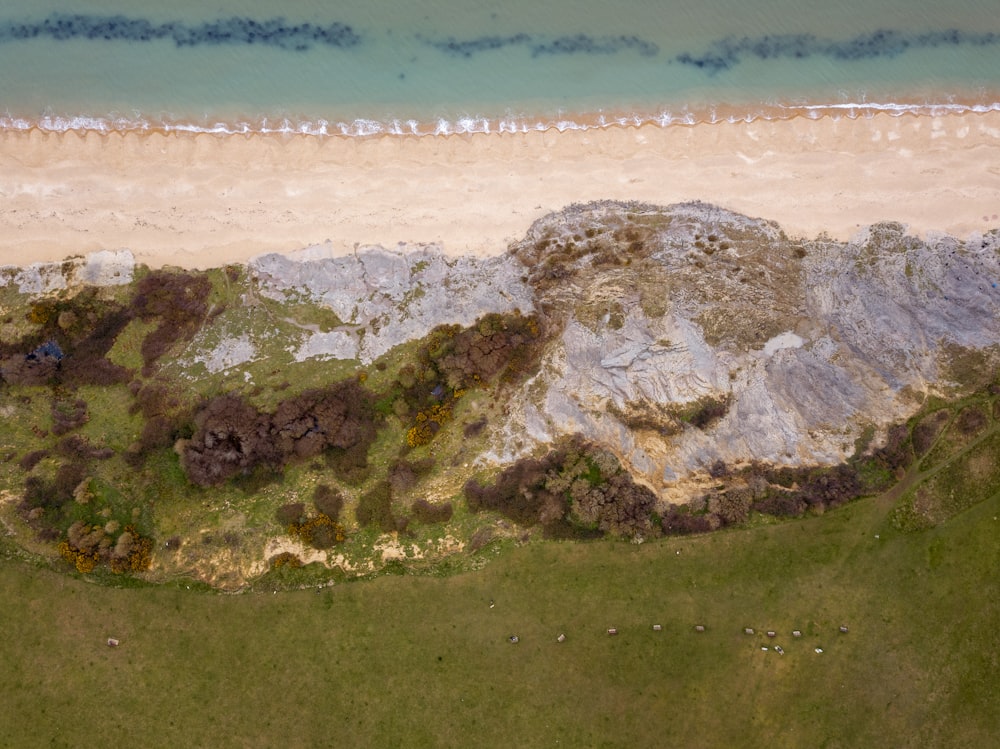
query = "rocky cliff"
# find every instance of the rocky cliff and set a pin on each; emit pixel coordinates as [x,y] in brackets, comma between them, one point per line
[681,336]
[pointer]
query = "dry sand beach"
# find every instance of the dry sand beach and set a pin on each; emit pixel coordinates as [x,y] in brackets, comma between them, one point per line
[198,201]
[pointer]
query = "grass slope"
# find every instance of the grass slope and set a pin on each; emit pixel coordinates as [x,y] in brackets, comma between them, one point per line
[424,661]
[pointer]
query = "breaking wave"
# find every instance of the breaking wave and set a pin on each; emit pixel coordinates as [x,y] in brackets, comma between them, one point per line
[362,128]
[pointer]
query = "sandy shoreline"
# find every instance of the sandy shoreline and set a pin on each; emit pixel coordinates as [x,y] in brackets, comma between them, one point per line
[204,200]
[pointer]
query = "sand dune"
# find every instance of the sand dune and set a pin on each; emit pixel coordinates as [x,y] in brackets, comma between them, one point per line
[203,200]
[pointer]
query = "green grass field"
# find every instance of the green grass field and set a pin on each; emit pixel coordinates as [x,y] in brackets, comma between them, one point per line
[425,662]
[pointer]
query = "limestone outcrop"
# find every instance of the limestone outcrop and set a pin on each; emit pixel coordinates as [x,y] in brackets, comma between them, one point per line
[681,336]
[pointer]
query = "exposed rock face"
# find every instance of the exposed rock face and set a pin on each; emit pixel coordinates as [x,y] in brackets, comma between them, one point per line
[800,345]
[681,336]
[104,268]
[393,296]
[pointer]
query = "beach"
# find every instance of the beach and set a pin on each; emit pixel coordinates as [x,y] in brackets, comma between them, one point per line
[204,200]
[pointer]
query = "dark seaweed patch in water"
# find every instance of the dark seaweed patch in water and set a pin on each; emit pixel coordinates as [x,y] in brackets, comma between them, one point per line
[727,53]
[579,44]
[272,32]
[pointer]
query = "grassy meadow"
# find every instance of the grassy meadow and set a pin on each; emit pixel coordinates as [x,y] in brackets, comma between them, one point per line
[425,661]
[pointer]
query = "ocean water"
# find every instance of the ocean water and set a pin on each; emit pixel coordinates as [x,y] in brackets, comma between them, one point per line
[441,66]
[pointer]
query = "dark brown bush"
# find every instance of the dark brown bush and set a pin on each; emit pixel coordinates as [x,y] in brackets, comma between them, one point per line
[328,500]
[832,488]
[39,493]
[475,428]
[375,508]
[179,301]
[340,416]
[677,522]
[780,504]
[709,412]
[404,474]
[74,336]
[577,490]
[23,369]
[480,539]
[32,459]
[898,449]
[68,477]
[231,437]
[924,435]
[78,447]
[495,345]
[85,362]
[350,465]
[732,506]
[156,432]
[616,505]
[718,469]
[68,415]
[971,420]
[428,513]
[290,514]
[519,492]
[153,399]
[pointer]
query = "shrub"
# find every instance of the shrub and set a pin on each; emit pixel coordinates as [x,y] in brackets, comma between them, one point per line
[475,428]
[290,514]
[179,301]
[924,435]
[350,465]
[85,362]
[68,415]
[340,416]
[718,469]
[404,474]
[68,477]
[156,432]
[285,559]
[85,546]
[29,461]
[319,531]
[708,412]
[732,506]
[832,488]
[428,513]
[328,500]
[971,420]
[572,490]
[231,437]
[518,493]
[780,504]
[28,369]
[898,450]
[375,508]
[78,447]
[678,522]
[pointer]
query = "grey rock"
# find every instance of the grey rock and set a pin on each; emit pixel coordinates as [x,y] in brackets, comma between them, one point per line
[389,297]
[808,342]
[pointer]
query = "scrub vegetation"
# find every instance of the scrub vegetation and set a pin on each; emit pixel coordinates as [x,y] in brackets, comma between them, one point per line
[404,567]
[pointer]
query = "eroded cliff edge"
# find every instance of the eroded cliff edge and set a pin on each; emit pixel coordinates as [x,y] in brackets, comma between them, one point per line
[681,336]
[620,360]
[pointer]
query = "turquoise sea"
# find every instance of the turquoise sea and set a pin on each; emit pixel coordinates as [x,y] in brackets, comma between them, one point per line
[438,66]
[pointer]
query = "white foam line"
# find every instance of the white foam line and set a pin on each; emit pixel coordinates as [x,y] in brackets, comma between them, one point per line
[476,124]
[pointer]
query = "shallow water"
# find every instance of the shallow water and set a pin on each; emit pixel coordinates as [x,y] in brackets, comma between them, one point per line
[443,65]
